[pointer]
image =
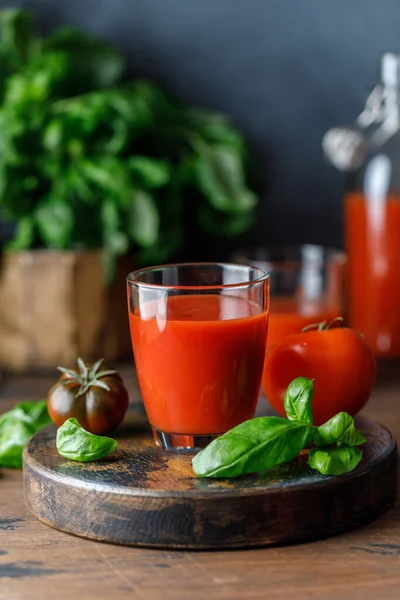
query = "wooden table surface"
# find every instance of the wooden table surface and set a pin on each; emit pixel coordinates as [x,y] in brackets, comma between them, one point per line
[37,562]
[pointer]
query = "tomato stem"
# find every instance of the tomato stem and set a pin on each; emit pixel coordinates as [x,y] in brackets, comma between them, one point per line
[86,377]
[336,320]
[323,325]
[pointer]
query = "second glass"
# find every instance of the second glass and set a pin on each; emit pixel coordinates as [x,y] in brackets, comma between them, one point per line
[307,285]
[199,335]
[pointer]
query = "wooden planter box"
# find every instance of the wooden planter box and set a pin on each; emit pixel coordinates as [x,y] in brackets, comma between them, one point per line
[55,306]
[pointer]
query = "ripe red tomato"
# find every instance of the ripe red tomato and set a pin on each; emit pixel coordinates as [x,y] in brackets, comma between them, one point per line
[337,358]
[97,398]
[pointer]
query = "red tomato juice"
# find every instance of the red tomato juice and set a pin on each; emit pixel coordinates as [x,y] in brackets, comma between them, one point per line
[200,363]
[290,315]
[373,246]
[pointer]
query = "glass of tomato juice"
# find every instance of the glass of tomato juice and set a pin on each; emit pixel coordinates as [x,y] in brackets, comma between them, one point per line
[199,334]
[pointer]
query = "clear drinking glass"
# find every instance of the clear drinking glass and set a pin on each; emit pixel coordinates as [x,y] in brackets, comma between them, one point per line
[199,334]
[307,285]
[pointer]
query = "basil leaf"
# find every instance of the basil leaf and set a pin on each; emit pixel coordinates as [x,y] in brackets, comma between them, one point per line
[216,128]
[109,174]
[298,398]
[14,433]
[219,223]
[144,219]
[19,40]
[23,235]
[37,411]
[151,173]
[336,460]
[220,176]
[253,446]
[55,222]
[96,64]
[75,443]
[16,427]
[339,429]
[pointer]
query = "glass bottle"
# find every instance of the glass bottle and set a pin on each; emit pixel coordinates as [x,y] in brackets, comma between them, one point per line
[372,223]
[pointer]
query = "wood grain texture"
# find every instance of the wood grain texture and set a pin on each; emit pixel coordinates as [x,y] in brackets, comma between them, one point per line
[40,563]
[144,496]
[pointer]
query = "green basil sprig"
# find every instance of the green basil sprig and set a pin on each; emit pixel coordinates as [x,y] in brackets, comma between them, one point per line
[16,427]
[264,442]
[253,446]
[75,443]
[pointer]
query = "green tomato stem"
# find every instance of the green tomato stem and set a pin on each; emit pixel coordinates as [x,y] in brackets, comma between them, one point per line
[323,325]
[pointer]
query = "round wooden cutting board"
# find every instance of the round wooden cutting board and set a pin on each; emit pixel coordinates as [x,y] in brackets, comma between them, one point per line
[143,496]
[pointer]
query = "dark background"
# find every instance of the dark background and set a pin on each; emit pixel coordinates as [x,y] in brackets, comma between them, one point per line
[284,70]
